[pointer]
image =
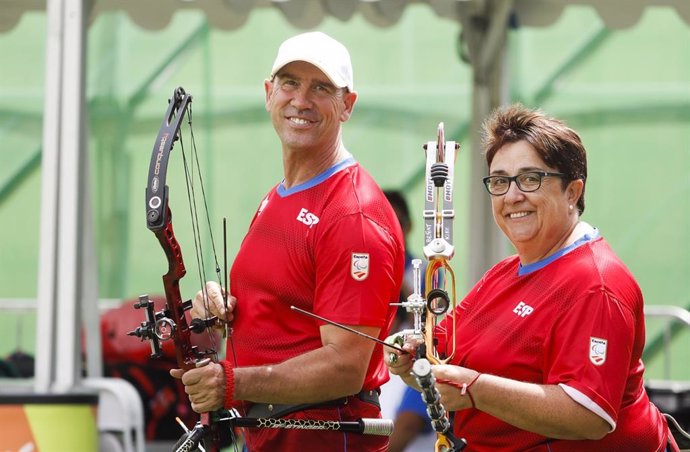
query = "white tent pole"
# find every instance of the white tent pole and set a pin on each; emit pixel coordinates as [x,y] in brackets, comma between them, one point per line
[47,265]
[64,171]
[69,202]
[88,299]
[486,39]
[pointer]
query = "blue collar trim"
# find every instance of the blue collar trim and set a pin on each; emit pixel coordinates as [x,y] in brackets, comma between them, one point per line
[529,268]
[316,180]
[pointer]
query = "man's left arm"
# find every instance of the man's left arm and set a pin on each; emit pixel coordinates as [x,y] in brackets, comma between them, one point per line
[336,369]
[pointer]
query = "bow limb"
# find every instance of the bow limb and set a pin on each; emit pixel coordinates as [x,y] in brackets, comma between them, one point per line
[159,221]
[171,322]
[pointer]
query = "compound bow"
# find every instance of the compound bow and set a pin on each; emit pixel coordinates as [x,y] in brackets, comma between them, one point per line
[170,322]
[427,310]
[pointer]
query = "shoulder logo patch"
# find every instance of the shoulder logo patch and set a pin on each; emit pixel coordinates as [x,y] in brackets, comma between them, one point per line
[359,266]
[597,350]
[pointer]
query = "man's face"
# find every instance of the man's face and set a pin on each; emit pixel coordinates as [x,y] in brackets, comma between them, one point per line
[306,108]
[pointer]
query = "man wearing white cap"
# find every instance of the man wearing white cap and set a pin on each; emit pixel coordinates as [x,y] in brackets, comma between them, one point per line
[325,240]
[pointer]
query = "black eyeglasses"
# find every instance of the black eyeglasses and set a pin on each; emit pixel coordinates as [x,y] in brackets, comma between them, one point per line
[527,182]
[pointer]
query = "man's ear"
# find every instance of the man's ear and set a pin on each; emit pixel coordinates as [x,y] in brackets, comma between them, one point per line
[268,88]
[349,98]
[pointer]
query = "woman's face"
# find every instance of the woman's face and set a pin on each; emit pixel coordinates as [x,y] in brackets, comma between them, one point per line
[539,222]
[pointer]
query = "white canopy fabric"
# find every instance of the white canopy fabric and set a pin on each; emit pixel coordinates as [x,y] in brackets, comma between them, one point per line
[232,14]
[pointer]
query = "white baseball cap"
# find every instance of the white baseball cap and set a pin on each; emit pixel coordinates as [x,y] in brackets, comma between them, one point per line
[319,49]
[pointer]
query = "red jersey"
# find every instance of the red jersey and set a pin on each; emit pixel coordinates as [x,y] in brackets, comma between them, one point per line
[332,246]
[574,319]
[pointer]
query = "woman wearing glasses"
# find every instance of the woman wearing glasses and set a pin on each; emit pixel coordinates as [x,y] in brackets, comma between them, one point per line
[549,341]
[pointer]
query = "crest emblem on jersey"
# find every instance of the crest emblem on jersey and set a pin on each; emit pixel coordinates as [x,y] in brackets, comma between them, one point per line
[597,350]
[359,266]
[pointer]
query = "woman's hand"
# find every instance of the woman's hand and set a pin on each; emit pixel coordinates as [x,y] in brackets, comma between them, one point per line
[449,382]
[210,302]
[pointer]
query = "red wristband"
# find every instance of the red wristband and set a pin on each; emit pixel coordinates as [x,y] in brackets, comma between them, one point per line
[466,389]
[229,384]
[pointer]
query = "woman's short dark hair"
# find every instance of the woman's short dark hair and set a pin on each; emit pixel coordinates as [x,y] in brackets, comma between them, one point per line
[558,145]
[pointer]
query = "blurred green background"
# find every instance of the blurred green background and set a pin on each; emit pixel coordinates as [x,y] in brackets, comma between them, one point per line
[627,92]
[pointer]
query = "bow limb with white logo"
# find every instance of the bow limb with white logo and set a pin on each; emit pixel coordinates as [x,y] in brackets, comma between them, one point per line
[428,310]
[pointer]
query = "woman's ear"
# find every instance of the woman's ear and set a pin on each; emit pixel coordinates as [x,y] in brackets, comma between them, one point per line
[574,190]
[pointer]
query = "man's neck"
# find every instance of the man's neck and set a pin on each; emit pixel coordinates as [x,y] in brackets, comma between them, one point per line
[300,167]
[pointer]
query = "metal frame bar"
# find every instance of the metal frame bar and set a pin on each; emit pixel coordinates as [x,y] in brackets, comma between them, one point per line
[677,318]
